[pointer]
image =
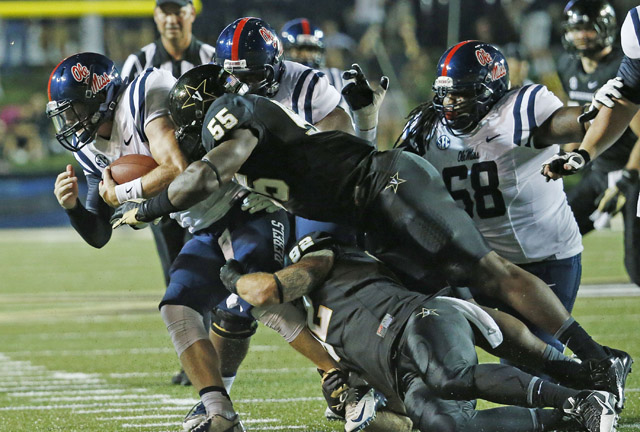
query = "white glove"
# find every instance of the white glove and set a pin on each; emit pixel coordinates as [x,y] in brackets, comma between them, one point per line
[565,164]
[604,96]
[255,202]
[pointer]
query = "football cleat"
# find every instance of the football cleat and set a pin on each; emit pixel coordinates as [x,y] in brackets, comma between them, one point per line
[594,410]
[181,378]
[196,415]
[219,423]
[331,416]
[611,374]
[361,407]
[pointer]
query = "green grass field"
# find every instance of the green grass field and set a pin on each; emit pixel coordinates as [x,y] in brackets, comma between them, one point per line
[83,347]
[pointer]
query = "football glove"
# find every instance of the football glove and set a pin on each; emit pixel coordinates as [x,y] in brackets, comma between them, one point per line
[613,199]
[334,389]
[362,99]
[604,96]
[566,163]
[230,273]
[255,202]
[126,214]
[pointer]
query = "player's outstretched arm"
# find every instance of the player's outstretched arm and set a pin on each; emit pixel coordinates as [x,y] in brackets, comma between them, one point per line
[197,182]
[288,284]
[560,128]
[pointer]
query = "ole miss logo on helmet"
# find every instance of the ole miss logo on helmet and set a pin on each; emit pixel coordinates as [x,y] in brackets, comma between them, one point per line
[81,73]
[271,39]
[498,71]
[484,58]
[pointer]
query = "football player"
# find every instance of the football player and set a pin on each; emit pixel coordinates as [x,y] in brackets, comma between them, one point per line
[394,338]
[304,43]
[486,141]
[397,198]
[612,179]
[222,229]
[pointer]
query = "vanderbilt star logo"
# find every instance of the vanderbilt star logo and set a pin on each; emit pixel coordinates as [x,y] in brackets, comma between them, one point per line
[427,312]
[198,95]
[394,182]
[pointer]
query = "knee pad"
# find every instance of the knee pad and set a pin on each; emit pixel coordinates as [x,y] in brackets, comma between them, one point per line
[185,326]
[284,318]
[228,325]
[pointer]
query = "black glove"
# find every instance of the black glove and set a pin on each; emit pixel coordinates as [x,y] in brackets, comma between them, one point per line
[334,389]
[230,273]
[127,214]
[359,93]
[576,160]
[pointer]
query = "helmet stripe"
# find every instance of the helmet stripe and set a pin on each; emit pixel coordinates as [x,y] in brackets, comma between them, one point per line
[236,38]
[450,55]
[51,77]
[306,28]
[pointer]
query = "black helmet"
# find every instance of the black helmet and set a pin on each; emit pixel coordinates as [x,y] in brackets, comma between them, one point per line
[191,97]
[595,15]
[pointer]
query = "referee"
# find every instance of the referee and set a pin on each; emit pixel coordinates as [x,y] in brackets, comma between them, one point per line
[177,51]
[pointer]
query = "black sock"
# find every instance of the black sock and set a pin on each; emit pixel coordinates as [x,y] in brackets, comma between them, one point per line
[576,338]
[550,419]
[213,389]
[546,394]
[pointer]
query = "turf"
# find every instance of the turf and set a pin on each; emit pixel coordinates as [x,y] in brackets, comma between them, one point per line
[83,347]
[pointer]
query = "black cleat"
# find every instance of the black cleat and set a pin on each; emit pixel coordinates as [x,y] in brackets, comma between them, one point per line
[611,374]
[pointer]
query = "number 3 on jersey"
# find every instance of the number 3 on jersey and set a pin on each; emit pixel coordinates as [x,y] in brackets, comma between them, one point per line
[222,122]
[484,182]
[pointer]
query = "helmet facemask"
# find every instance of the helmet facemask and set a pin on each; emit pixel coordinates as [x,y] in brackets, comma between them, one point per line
[461,107]
[76,124]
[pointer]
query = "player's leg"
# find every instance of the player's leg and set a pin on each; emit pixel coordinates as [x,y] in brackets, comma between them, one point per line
[583,197]
[186,309]
[448,366]
[632,234]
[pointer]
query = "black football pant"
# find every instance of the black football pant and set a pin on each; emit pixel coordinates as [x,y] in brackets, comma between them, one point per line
[440,377]
[583,199]
[169,237]
[416,228]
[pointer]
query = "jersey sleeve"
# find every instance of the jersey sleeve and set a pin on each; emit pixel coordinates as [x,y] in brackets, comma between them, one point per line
[157,88]
[314,97]
[533,105]
[630,34]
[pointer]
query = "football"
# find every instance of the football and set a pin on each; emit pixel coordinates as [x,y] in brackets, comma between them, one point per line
[130,167]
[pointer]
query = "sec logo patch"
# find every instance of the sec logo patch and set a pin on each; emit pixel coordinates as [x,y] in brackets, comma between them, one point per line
[102,161]
[443,142]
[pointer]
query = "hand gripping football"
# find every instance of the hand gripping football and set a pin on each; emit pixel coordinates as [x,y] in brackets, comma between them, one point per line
[130,167]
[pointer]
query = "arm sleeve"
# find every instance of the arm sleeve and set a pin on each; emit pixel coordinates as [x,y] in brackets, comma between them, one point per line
[92,222]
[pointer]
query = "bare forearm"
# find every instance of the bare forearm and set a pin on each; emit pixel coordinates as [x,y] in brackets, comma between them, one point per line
[193,185]
[608,127]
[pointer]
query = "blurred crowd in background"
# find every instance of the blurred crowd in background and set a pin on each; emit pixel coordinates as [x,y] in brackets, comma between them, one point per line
[399,38]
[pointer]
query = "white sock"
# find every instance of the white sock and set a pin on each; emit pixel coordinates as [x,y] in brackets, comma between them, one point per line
[228,383]
[217,403]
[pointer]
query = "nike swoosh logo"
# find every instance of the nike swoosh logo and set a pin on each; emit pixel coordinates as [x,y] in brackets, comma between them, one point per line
[129,190]
[361,413]
[126,142]
[489,139]
[607,410]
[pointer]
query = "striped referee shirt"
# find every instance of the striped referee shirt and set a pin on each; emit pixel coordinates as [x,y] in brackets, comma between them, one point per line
[155,55]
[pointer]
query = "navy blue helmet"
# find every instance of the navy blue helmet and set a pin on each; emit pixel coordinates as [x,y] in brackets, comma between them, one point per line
[190,98]
[471,77]
[303,42]
[595,15]
[83,89]
[251,50]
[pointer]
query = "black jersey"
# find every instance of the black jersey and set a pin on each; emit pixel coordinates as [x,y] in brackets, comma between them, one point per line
[360,310]
[581,86]
[313,174]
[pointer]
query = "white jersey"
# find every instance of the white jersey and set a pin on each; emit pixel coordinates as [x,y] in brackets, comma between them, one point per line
[145,99]
[630,34]
[494,174]
[305,91]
